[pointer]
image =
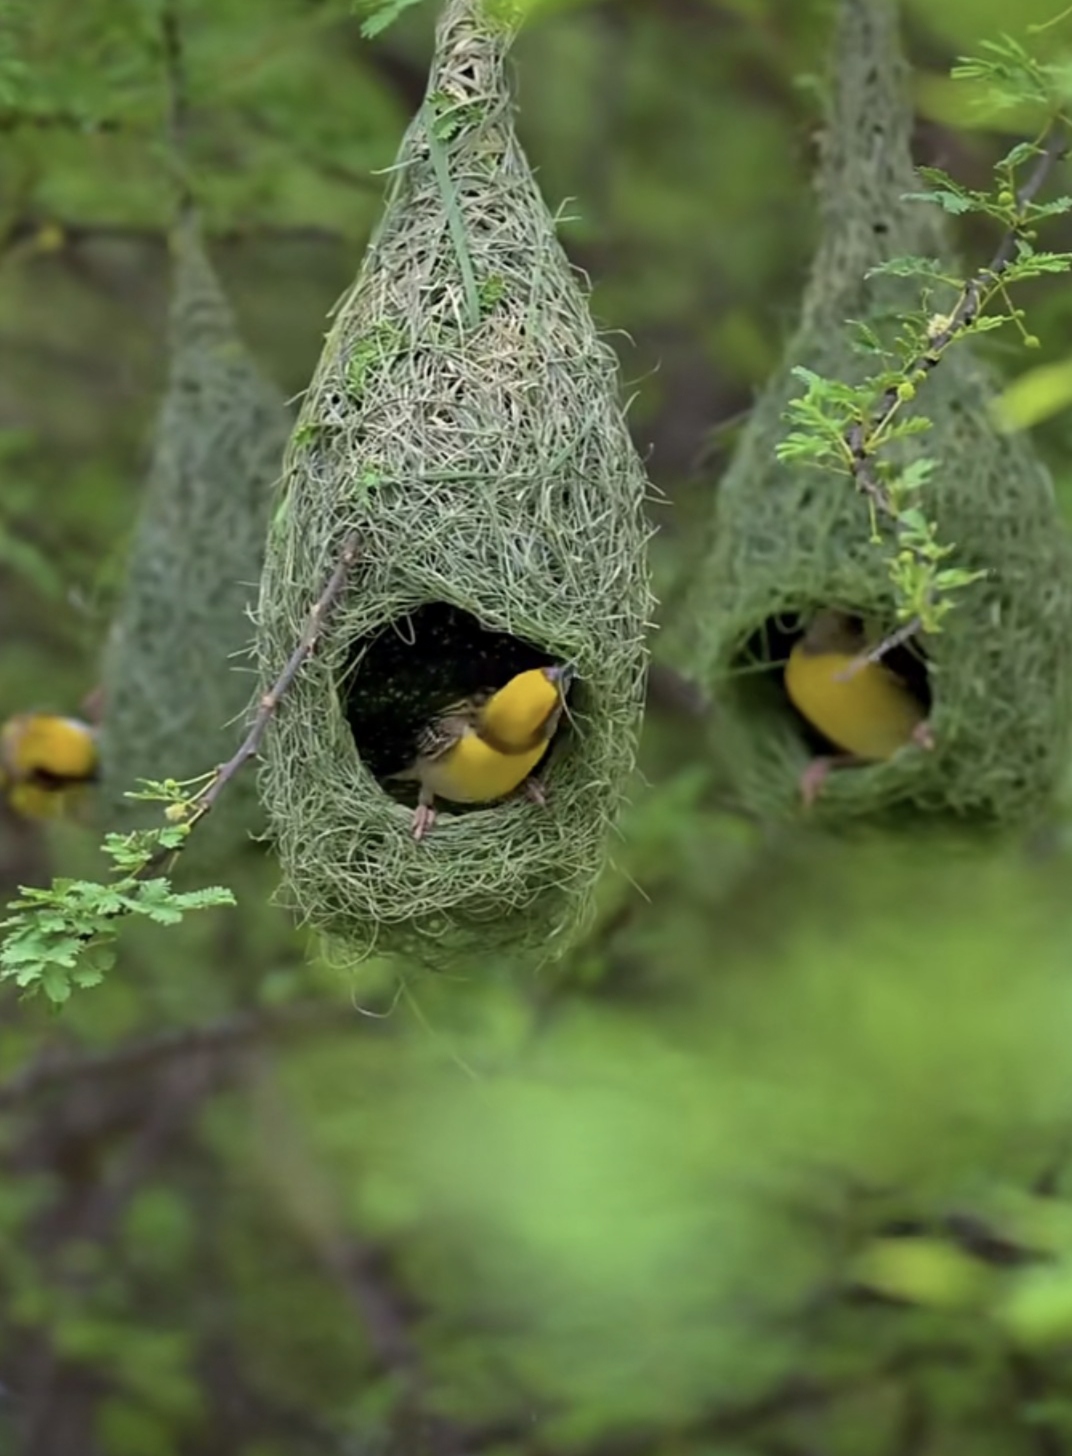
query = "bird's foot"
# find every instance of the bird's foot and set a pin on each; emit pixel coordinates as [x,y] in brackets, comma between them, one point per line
[816,774]
[923,736]
[424,816]
[812,780]
[536,793]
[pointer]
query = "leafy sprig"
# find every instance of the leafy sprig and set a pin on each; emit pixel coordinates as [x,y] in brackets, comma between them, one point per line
[63,936]
[852,430]
[383,14]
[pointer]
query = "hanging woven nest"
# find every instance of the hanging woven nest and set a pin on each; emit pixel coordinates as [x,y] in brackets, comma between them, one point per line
[465,422]
[789,540]
[177,677]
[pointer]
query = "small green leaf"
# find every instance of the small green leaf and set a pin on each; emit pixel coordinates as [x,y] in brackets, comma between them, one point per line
[384,13]
[911,267]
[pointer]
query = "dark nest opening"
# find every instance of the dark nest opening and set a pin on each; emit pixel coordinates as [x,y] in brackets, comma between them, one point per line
[759,674]
[399,678]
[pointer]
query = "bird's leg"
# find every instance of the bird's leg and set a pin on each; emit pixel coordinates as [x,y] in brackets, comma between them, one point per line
[923,735]
[536,793]
[815,775]
[424,816]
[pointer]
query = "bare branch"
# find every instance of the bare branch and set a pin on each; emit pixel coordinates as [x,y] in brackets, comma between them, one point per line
[55,234]
[216,1038]
[178,98]
[314,625]
[12,119]
[878,652]
[1055,147]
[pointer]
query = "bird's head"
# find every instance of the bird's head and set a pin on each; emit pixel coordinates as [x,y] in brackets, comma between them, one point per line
[832,630]
[528,706]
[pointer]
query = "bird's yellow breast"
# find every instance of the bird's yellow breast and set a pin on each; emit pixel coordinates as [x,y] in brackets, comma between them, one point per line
[472,772]
[867,713]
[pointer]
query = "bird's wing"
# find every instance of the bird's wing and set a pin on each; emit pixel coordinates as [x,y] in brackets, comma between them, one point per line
[442,733]
[440,736]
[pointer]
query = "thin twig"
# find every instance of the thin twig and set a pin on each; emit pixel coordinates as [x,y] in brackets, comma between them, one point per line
[11,119]
[178,112]
[214,1038]
[206,800]
[68,232]
[859,436]
[314,625]
[878,652]
[1055,146]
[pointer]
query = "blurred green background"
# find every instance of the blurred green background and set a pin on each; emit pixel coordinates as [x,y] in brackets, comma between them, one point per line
[773,1163]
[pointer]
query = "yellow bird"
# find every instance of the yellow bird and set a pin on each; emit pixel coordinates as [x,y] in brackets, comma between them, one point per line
[861,707]
[484,747]
[44,758]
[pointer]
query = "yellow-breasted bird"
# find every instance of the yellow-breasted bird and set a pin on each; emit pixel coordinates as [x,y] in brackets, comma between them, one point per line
[862,707]
[484,747]
[43,758]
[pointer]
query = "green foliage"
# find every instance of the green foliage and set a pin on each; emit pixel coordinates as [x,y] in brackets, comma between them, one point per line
[382,14]
[853,430]
[62,936]
[1011,77]
[605,1209]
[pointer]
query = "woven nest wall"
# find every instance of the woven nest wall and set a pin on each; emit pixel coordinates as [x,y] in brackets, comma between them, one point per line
[465,421]
[177,673]
[787,540]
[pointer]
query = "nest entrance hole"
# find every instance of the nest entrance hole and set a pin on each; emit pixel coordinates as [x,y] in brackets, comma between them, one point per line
[759,674]
[398,678]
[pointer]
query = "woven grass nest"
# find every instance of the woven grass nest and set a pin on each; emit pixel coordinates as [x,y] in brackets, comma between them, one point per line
[464,420]
[177,674]
[788,540]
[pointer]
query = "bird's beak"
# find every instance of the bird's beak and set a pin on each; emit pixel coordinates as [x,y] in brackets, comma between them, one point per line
[562,675]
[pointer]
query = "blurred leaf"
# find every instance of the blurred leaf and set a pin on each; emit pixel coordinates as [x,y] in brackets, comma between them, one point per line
[1035,396]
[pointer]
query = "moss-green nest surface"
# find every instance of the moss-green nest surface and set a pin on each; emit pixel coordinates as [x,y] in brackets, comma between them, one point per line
[788,539]
[465,421]
[177,674]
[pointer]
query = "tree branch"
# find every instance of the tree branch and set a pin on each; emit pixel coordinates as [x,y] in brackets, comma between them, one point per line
[966,311]
[314,625]
[11,119]
[216,1038]
[860,435]
[53,235]
[178,99]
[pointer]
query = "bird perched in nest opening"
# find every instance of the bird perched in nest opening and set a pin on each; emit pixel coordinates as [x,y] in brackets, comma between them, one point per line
[862,707]
[484,747]
[44,758]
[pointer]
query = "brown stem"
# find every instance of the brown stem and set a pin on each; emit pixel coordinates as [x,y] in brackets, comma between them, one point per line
[860,435]
[225,1036]
[966,311]
[314,625]
[878,652]
[11,119]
